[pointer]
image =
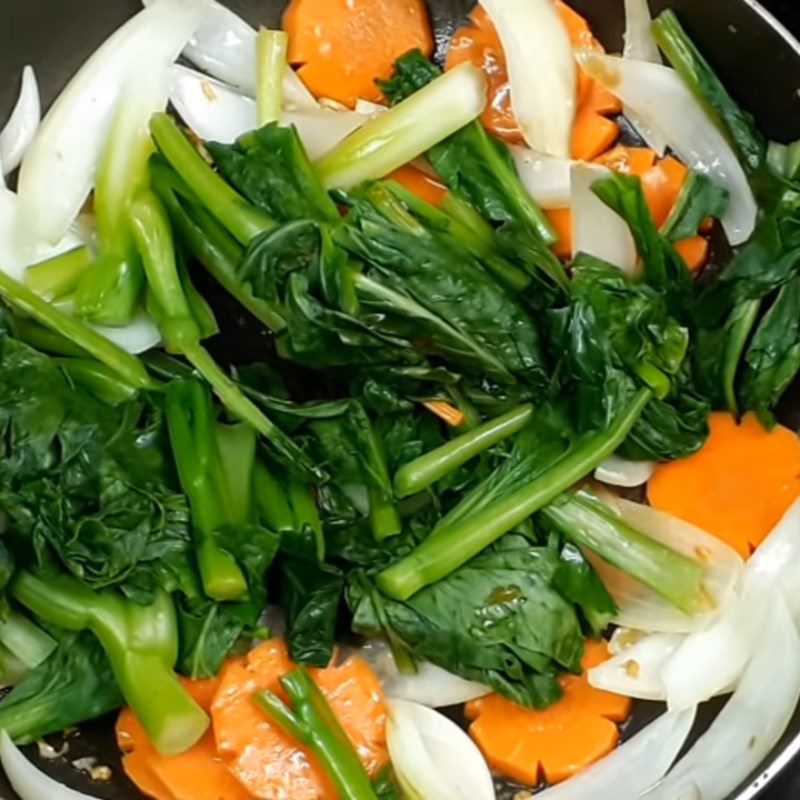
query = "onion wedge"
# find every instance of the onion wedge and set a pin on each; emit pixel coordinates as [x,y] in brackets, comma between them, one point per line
[61,164]
[224,46]
[29,782]
[430,686]
[432,757]
[616,471]
[220,113]
[541,70]
[752,721]
[666,106]
[642,609]
[22,125]
[597,230]
[632,767]
[547,179]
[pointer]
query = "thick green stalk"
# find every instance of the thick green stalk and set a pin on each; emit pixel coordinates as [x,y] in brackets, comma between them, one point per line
[209,242]
[587,522]
[450,547]
[272,500]
[127,366]
[60,275]
[236,445]
[97,379]
[739,326]
[12,669]
[423,472]
[241,218]
[305,514]
[190,417]
[141,643]
[314,725]
[26,641]
[271,51]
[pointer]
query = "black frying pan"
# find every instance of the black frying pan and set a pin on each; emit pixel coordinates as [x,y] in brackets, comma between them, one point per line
[754,55]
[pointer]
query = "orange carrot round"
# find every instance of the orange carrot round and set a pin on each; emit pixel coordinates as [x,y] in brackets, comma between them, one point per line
[694,252]
[556,743]
[738,486]
[270,764]
[342,46]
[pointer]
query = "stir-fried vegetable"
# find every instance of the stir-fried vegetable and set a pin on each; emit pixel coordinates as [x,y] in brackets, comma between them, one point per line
[19,131]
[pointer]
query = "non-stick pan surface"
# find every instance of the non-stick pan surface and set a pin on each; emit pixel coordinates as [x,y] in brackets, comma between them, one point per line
[754,54]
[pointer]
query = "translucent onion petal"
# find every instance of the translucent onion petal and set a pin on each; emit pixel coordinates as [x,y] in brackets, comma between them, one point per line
[597,230]
[224,45]
[59,169]
[138,336]
[635,671]
[547,179]
[616,471]
[752,721]
[640,44]
[22,125]
[218,112]
[666,106]
[632,767]
[430,686]
[29,782]
[432,757]
[541,70]
[643,609]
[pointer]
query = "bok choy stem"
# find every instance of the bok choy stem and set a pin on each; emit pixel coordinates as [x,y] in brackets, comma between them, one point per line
[271,50]
[190,417]
[423,472]
[313,723]
[589,523]
[127,366]
[243,220]
[25,640]
[59,276]
[141,643]
[451,546]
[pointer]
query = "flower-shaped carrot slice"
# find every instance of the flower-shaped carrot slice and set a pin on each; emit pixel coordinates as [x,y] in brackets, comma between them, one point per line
[554,744]
[738,486]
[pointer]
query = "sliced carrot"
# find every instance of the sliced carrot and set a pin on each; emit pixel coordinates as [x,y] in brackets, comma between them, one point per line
[137,768]
[694,252]
[197,774]
[561,220]
[592,135]
[423,185]
[738,486]
[602,101]
[343,46]
[556,743]
[453,416]
[266,761]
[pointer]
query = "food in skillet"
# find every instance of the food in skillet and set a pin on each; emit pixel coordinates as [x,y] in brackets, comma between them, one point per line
[510,448]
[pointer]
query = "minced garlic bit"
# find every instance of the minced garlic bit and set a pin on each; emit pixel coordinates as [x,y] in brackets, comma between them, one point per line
[633,668]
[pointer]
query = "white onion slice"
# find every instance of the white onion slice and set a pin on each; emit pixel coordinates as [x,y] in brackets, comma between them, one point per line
[634,766]
[643,609]
[547,179]
[431,686]
[751,722]
[138,336]
[777,559]
[218,112]
[596,229]
[432,757]
[369,108]
[616,471]
[224,45]
[635,671]
[59,169]
[666,106]
[29,782]
[541,70]
[640,44]
[22,125]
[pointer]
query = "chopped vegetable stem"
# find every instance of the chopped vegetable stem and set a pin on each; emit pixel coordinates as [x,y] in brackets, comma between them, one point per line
[272,47]
[448,548]
[60,275]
